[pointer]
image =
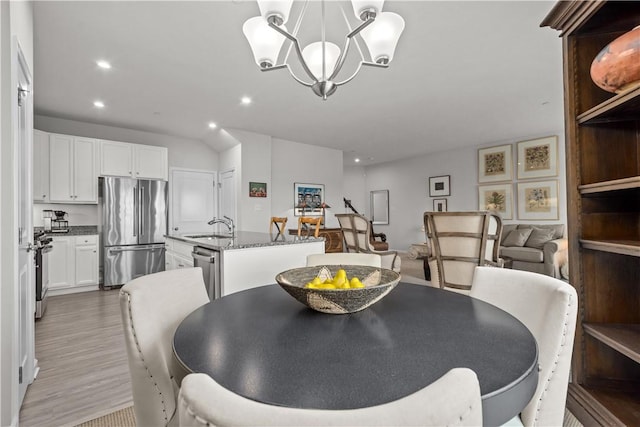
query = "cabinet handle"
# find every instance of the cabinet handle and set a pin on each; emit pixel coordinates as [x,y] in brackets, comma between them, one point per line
[129,172]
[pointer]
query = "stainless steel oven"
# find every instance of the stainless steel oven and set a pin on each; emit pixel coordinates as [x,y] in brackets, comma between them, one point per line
[42,248]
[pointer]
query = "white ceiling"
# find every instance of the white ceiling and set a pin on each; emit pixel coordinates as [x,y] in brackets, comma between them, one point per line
[464,74]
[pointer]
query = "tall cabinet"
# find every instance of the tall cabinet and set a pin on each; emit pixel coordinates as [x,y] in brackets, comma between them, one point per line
[603,190]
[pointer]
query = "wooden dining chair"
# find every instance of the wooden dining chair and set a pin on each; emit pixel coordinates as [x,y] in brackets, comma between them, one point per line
[152,307]
[458,243]
[548,307]
[279,222]
[305,223]
[453,399]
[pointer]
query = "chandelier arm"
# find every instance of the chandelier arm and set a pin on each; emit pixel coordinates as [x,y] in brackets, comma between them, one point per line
[281,66]
[347,42]
[297,28]
[370,64]
[296,44]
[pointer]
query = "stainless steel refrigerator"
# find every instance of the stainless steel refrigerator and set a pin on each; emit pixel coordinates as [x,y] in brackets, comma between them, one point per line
[134,223]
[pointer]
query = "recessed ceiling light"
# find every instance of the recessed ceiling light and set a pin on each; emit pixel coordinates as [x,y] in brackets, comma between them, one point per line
[213,125]
[103,64]
[245,100]
[357,160]
[98,104]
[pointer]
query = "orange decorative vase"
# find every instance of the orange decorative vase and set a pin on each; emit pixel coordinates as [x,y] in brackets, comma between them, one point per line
[617,66]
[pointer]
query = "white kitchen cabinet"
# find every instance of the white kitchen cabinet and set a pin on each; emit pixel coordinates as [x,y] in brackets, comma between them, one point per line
[86,257]
[73,173]
[133,160]
[40,166]
[73,264]
[62,262]
[177,254]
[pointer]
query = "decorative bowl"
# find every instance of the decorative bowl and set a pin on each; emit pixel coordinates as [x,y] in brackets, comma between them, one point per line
[378,282]
[617,66]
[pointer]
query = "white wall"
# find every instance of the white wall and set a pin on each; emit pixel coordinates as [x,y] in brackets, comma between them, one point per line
[293,162]
[407,182]
[353,189]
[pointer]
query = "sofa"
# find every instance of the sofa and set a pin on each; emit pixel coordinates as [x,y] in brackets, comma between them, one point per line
[540,248]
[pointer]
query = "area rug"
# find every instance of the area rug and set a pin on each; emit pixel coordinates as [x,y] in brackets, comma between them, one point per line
[121,418]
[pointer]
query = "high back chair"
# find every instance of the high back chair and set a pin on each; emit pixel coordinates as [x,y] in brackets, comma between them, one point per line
[548,308]
[454,399]
[459,242]
[152,307]
[343,258]
[305,224]
[279,222]
[356,230]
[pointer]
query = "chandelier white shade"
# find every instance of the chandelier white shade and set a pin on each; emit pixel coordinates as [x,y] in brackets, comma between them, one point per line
[382,36]
[313,56]
[322,61]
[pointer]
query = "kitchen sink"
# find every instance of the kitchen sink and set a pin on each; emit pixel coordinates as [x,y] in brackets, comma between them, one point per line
[209,236]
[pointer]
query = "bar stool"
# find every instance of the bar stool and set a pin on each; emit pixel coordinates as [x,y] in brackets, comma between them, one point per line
[306,222]
[280,223]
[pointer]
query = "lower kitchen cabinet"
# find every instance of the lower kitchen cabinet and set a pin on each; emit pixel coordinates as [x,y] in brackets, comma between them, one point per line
[177,255]
[73,264]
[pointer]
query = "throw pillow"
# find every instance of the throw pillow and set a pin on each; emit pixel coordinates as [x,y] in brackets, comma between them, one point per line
[517,237]
[539,236]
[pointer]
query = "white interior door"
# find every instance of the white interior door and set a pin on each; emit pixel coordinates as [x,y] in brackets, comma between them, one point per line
[193,200]
[228,196]
[23,120]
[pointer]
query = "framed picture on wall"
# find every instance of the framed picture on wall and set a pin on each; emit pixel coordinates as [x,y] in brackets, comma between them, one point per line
[538,158]
[439,205]
[308,199]
[257,189]
[439,186]
[495,163]
[538,200]
[496,197]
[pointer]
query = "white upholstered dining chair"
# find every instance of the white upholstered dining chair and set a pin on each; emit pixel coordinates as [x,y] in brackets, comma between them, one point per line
[454,399]
[548,308]
[152,307]
[344,258]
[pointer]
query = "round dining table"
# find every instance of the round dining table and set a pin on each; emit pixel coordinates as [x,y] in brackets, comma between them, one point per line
[266,346]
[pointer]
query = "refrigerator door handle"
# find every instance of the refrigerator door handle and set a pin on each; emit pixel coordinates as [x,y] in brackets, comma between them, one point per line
[136,248]
[136,211]
[140,199]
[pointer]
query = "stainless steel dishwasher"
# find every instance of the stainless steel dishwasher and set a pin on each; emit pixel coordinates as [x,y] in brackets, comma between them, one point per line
[209,261]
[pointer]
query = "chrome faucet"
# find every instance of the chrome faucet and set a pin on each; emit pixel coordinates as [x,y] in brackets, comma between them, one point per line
[226,221]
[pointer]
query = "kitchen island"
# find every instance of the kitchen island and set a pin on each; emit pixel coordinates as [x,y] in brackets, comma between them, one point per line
[246,260]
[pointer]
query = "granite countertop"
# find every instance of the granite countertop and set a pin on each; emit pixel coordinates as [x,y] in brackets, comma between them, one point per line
[242,240]
[74,230]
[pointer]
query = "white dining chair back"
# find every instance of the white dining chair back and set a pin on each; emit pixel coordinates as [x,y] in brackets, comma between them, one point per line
[548,308]
[344,258]
[459,242]
[454,399]
[152,307]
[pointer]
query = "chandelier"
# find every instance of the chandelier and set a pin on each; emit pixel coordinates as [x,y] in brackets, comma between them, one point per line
[322,60]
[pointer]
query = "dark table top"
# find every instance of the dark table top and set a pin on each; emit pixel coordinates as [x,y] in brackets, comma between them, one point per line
[266,346]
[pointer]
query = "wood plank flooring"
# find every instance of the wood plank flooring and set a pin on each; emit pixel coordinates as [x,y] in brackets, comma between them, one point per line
[83,361]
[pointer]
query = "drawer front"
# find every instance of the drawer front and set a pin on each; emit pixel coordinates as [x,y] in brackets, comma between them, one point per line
[87,240]
[182,249]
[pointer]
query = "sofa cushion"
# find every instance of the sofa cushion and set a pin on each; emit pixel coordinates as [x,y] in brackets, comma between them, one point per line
[539,236]
[522,254]
[506,229]
[558,229]
[517,237]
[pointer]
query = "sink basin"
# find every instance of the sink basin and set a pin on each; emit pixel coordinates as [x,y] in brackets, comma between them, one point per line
[209,236]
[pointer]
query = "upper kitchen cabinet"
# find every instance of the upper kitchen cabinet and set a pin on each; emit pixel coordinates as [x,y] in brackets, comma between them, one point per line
[73,173]
[40,166]
[133,160]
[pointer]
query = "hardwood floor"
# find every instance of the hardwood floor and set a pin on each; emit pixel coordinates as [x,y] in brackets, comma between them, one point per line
[83,361]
